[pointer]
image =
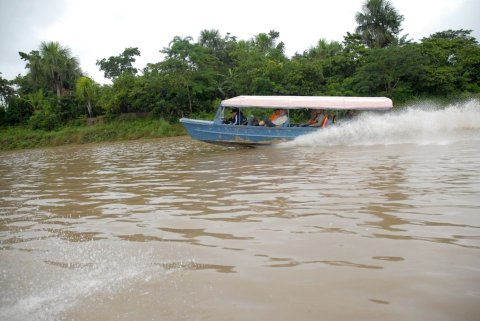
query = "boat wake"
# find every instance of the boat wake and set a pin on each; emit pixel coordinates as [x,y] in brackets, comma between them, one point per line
[422,124]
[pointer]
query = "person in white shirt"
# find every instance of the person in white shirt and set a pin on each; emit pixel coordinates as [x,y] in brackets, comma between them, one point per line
[278,119]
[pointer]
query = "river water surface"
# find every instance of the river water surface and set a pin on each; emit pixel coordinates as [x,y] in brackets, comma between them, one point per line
[377,219]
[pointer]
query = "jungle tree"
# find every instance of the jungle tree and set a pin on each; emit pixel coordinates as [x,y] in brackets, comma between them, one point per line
[221,48]
[378,23]
[259,65]
[114,66]
[191,73]
[87,91]
[52,68]
[393,71]
[453,63]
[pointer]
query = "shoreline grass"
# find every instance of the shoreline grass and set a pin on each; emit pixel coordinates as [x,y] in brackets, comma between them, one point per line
[21,137]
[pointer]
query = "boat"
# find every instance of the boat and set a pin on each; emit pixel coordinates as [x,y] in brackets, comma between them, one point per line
[218,132]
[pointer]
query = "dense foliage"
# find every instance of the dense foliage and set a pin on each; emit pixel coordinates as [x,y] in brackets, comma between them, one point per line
[195,75]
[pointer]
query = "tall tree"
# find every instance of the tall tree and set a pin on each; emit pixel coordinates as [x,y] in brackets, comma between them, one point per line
[53,67]
[378,23]
[211,39]
[114,66]
[58,66]
[221,48]
[191,72]
[216,45]
[259,65]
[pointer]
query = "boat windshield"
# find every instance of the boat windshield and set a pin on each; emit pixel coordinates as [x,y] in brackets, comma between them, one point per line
[219,115]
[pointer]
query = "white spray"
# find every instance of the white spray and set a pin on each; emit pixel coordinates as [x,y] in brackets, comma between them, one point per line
[420,124]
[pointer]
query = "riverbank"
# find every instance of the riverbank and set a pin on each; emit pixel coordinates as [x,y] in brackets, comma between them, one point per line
[116,130]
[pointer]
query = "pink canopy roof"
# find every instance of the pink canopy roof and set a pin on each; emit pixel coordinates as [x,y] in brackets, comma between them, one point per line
[312,102]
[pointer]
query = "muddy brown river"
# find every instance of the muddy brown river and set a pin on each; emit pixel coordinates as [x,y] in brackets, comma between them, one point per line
[378,219]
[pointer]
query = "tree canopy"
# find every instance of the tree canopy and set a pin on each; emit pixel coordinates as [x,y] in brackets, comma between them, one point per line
[114,66]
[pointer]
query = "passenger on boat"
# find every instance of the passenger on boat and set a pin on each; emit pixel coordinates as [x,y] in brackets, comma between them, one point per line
[236,118]
[278,119]
[326,121]
[316,118]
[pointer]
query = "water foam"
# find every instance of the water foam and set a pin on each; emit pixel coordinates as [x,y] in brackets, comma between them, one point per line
[421,124]
[81,270]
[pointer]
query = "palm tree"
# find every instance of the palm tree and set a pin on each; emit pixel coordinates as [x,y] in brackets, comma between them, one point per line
[87,91]
[211,39]
[378,23]
[58,65]
[52,67]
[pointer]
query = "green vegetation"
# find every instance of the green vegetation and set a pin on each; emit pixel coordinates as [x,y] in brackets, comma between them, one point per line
[195,75]
[18,137]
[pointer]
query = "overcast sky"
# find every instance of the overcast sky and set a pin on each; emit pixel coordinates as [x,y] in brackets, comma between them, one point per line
[96,29]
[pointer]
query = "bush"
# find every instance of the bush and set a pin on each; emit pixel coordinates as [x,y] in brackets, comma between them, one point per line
[44,120]
[17,111]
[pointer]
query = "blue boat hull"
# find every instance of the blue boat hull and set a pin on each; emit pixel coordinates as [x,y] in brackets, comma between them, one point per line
[211,132]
